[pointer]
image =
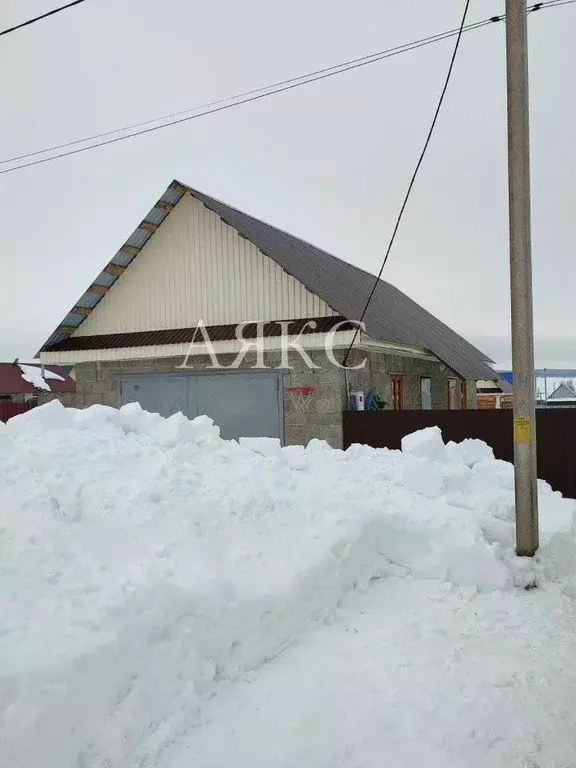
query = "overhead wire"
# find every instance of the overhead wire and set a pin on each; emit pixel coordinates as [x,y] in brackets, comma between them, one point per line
[367,59]
[553,4]
[233,101]
[39,18]
[530,9]
[412,181]
[252,95]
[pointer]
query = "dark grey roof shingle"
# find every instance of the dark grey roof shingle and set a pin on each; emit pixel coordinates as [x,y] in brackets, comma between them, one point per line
[392,316]
[562,392]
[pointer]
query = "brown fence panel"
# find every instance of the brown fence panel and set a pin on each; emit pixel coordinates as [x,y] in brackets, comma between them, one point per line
[7,410]
[385,429]
[556,434]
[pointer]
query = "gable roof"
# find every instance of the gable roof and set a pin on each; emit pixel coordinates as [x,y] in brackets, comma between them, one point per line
[563,392]
[13,383]
[392,316]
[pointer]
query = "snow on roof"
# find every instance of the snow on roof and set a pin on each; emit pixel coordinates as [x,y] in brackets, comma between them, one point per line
[563,393]
[33,375]
[22,378]
[48,374]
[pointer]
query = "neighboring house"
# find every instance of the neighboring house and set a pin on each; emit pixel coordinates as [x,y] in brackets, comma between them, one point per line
[195,268]
[546,382]
[494,394]
[21,383]
[562,397]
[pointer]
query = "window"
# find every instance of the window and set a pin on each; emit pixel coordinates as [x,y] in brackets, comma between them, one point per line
[397,393]
[452,394]
[463,394]
[426,393]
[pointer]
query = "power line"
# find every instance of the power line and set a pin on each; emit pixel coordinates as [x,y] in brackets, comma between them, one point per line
[39,18]
[258,93]
[535,7]
[554,4]
[398,49]
[367,59]
[245,97]
[412,180]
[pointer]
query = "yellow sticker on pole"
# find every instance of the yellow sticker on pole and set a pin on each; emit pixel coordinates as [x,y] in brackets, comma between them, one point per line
[522,429]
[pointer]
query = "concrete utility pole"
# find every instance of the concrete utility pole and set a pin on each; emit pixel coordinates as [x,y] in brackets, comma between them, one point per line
[521,279]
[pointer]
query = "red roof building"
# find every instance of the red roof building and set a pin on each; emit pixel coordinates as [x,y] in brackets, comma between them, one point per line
[20,381]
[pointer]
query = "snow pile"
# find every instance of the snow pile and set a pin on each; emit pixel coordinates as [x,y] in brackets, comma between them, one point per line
[34,375]
[146,561]
[411,673]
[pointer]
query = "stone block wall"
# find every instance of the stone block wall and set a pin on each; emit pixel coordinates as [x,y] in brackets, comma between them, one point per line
[68,399]
[19,398]
[322,419]
[322,416]
[381,366]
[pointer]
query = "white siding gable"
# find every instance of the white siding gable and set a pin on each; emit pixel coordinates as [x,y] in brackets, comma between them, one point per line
[196,266]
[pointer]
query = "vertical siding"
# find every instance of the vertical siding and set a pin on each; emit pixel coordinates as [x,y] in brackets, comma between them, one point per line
[196,266]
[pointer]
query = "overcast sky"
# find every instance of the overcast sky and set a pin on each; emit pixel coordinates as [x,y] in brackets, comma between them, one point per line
[329,162]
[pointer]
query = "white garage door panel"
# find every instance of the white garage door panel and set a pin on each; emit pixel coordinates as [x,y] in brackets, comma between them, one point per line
[242,404]
[164,395]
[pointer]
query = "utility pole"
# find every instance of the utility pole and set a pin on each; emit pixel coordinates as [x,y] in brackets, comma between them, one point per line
[521,279]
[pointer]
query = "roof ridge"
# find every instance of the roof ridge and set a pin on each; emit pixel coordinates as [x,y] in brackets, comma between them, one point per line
[393,316]
[279,229]
[202,196]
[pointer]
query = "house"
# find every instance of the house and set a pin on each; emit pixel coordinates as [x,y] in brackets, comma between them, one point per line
[494,394]
[546,382]
[159,325]
[563,396]
[22,383]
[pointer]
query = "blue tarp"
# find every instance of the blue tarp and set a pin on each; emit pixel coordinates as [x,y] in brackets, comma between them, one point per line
[544,373]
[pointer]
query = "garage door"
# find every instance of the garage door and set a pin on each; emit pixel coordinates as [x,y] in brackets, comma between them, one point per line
[242,404]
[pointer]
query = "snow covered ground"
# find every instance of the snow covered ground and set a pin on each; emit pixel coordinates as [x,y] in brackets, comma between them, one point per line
[411,673]
[172,599]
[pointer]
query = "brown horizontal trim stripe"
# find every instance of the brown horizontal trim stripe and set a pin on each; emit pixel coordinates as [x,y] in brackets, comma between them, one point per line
[187,335]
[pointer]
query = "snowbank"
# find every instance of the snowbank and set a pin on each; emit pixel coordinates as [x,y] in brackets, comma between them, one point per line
[146,561]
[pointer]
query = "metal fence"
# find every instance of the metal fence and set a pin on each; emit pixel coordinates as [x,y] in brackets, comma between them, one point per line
[556,435]
[7,410]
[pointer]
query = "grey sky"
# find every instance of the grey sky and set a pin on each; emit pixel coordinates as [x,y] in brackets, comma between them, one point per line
[329,162]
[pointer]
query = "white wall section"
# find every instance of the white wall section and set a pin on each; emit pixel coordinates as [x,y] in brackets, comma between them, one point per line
[196,266]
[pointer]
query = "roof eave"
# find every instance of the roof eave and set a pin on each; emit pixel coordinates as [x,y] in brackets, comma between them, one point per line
[411,325]
[117,265]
